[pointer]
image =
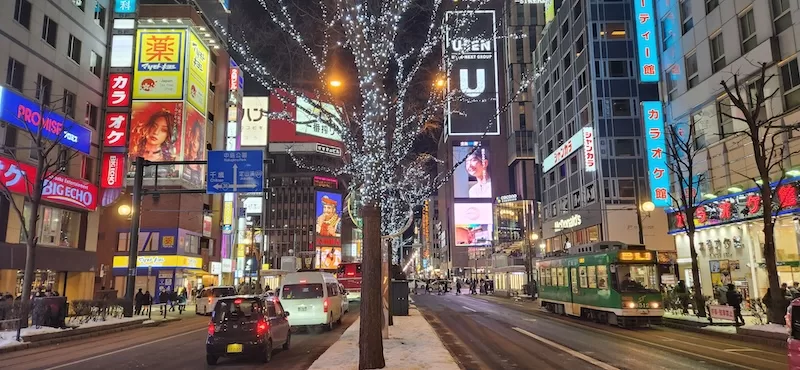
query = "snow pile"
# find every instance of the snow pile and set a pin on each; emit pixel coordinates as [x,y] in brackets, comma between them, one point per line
[110,321]
[769,328]
[412,345]
[8,338]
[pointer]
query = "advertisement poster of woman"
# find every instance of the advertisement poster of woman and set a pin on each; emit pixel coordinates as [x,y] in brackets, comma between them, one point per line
[329,214]
[329,258]
[156,134]
[194,148]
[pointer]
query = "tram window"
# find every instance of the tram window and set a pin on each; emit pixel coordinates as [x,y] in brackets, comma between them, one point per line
[636,278]
[602,277]
[560,274]
[591,273]
[582,273]
[574,274]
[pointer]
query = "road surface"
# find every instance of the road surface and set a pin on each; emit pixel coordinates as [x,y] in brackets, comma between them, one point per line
[492,333]
[175,345]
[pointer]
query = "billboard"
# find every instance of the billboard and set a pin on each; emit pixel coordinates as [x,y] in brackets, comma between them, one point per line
[17,177]
[473,223]
[658,172]
[286,131]
[473,72]
[328,226]
[328,258]
[198,73]
[156,133]
[159,60]
[194,146]
[549,11]
[471,179]
[311,120]
[646,43]
[254,121]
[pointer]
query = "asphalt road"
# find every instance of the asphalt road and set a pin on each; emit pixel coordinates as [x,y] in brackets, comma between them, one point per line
[175,345]
[500,334]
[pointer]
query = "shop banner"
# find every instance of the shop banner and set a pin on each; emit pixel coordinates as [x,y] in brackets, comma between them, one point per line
[658,172]
[116,128]
[198,73]
[28,115]
[121,262]
[646,41]
[119,90]
[159,64]
[18,177]
[113,175]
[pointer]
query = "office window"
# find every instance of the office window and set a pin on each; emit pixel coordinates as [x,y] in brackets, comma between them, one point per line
[568,95]
[703,121]
[92,112]
[44,87]
[781,17]
[576,10]
[711,5]
[752,92]
[50,31]
[564,29]
[15,75]
[96,64]
[520,47]
[667,36]
[790,78]
[747,30]
[624,147]
[99,15]
[573,164]
[687,23]
[725,116]
[579,45]
[69,103]
[626,188]
[618,68]
[546,87]
[669,83]
[567,61]
[613,30]
[554,45]
[582,80]
[74,49]
[692,77]
[557,106]
[717,53]
[22,13]
[621,107]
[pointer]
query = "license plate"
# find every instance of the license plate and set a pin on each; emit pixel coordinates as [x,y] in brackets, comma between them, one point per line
[302,308]
[234,348]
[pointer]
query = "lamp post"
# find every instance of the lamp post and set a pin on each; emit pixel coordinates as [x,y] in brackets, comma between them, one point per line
[529,243]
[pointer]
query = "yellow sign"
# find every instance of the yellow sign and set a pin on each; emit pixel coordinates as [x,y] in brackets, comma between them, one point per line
[635,256]
[264,266]
[227,213]
[197,58]
[549,11]
[161,261]
[240,249]
[158,73]
[168,241]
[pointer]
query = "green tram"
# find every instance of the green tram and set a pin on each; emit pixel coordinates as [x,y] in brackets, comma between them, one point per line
[608,282]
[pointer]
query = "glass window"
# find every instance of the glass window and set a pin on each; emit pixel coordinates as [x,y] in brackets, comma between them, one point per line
[747,30]
[574,280]
[692,78]
[621,107]
[591,274]
[99,15]
[687,23]
[583,278]
[725,116]
[56,227]
[302,291]
[781,17]
[148,241]
[618,68]
[560,272]
[624,147]
[22,13]
[602,277]
[711,5]
[790,77]
[717,52]
[50,31]
[637,278]
[613,30]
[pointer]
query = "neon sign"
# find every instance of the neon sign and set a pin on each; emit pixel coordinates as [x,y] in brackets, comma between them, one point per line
[658,172]
[646,42]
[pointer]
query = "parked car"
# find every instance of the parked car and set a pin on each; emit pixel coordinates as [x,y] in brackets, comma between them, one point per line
[207,298]
[313,298]
[244,326]
[345,299]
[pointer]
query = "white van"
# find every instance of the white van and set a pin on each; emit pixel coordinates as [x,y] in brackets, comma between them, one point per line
[313,298]
[207,298]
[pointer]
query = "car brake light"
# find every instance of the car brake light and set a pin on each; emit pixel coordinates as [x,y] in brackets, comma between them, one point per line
[325,305]
[209,300]
[211,329]
[262,327]
[237,301]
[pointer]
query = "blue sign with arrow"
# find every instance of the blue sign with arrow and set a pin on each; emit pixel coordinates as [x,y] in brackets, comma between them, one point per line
[235,171]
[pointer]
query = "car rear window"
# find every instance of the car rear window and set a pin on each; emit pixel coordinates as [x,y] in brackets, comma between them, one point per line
[233,308]
[302,291]
[223,292]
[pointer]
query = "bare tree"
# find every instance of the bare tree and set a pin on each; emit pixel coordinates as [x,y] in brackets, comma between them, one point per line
[768,140]
[681,161]
[43,140]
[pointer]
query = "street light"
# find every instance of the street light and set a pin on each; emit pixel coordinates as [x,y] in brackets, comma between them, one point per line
[335,83]
[124,210]
[648,206]
[440,82]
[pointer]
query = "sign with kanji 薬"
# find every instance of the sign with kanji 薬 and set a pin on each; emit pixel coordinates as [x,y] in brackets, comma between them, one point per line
[119,86]
[657,170]
[646,42]
[159,63]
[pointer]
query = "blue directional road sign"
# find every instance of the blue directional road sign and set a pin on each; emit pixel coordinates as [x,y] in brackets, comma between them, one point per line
[235,171]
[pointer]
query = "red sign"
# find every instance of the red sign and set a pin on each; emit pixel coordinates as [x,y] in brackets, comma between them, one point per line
[113,175]
[285,131]
[233,79]
[325,182]
[116,126]
[18,178]
[722,312]
[328,241]
[589,158]
[119,90]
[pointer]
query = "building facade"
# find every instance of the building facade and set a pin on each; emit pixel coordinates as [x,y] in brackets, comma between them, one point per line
[54,56]
[704,43]
[590,135]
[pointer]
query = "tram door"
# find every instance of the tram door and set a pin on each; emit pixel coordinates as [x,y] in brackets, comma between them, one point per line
[572,308]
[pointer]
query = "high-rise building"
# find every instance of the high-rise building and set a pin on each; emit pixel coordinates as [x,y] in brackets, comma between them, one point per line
[591,143]
[55,55]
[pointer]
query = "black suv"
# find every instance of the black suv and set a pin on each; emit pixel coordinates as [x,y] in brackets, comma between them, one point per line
[247,326]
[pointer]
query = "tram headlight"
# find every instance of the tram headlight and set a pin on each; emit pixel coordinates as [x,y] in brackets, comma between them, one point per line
[631,305]
[655,305]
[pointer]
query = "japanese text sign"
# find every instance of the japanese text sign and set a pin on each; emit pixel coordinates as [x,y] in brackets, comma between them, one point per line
[589,154]
[125,6]
[116,127]
[119,87]
[658,172]
[113,171]
[19,177]
[235,171]
[646,42]
[562,152]
[158,72]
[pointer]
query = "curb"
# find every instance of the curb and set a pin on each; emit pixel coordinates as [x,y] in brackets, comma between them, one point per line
[77,334]
[749,335]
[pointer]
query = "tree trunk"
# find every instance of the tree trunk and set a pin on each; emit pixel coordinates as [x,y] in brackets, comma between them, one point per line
[778,305]
[370,354]
[699,301]
[30,261]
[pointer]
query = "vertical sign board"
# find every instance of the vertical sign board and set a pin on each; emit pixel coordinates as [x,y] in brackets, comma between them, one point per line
[125,6]
[658,172]
[646,42]
[589,154]
[473,72]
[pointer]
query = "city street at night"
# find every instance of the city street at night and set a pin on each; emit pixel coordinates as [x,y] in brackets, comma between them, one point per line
[500,334]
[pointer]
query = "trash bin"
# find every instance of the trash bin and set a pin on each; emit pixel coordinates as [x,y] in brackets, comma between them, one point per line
[399,297]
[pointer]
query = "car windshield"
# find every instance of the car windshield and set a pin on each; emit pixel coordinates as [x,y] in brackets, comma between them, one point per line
[301,291]
[637,278]
[233,308]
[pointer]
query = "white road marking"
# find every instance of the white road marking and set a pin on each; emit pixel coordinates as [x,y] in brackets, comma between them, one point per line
[125,349]
[741,350]
[570,351]
[471,309]
[529,319]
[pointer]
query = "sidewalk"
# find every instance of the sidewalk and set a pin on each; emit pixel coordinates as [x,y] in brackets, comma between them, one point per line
[412,345]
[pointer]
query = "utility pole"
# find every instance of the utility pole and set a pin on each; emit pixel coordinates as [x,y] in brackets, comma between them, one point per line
[133,237]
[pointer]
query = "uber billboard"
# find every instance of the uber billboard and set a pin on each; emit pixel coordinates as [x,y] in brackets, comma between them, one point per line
[472,71]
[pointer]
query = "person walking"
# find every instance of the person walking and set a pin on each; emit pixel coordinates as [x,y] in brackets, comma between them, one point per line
[163,299]
[735,301]
[147,300]
[138,300]
[458,287]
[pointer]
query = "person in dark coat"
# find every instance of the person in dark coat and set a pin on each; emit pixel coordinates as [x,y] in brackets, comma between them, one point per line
[147,300]
[138,301]
[735,300]
[173,299]
[163,299]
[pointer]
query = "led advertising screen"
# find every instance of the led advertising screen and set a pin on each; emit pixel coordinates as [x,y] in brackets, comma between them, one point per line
[473,223]
[328,258]
[471,179]
[473,73]
[288,131]
[156,128]
[328,226]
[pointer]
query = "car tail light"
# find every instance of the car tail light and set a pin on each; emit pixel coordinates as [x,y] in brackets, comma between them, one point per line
[262,327]
[211,329]
[325,305]
[209,300]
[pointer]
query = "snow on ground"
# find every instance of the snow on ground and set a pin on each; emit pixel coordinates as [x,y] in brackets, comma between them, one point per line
[412,345]
[110,321]
[8,337]
[770,328]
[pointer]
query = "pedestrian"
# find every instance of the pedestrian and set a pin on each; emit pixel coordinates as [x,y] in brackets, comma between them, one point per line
[416,286]
[735,301]
[458,287]
[147,300]
[163,299]
[138,300]
[683,296]
[173,299]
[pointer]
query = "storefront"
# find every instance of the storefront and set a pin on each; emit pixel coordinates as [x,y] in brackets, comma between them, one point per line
[576,229]
[729,242]
[509,280]
[155,273]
